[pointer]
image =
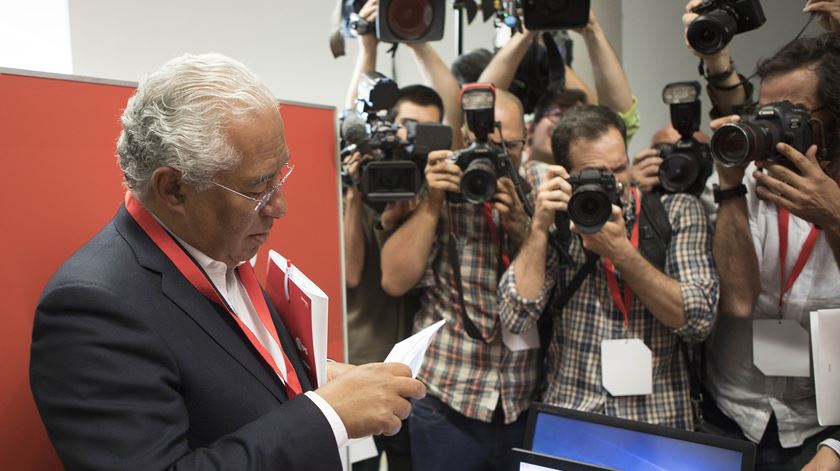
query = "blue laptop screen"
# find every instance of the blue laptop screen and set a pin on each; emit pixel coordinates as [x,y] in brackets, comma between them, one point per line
[626,449]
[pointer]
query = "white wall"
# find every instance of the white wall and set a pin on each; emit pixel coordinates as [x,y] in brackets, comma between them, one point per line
[284,41]
[35,35]
[655,54]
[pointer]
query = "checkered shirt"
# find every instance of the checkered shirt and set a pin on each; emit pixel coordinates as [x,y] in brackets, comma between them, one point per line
[574,355]
[468,375]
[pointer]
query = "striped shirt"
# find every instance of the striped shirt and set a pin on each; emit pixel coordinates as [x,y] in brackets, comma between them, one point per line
[574,355]
[471,376]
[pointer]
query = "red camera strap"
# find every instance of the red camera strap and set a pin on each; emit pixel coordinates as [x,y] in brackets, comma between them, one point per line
[494,233]
[626,303]
[196,276]
[801,260]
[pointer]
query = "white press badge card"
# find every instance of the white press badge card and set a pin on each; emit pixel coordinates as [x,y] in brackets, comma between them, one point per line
[781,348]
[626,367]
[527,340]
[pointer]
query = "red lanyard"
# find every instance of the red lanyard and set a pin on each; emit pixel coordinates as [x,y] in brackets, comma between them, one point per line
[625,304]
[488,217]
[801,260]
[166,243]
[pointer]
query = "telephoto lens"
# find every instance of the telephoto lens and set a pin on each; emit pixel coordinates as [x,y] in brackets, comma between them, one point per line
[594,192]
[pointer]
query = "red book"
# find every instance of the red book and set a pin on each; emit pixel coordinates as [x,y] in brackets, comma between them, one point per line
[302,306]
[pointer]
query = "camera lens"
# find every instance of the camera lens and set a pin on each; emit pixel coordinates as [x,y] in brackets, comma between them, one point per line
[390,180]
[478,184]
[410,19]
[739,143]
[590,208]
[711,32]
[678,172]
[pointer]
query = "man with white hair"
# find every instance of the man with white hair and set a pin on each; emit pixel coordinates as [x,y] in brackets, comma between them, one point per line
[154,346]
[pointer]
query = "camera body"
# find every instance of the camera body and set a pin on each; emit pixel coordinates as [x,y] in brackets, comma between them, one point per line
[594,191]
[720,20]
[755,137]
[555,14]
[483,162]
[686,164]
[393,170]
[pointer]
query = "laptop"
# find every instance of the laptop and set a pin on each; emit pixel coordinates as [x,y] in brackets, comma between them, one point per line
[825,330]
[629,445]
[524,460]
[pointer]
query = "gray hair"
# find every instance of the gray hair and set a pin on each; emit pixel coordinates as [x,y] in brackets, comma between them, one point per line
[180,115]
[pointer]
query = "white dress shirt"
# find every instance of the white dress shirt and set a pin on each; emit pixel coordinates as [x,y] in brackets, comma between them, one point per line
[740,390]
[230,286]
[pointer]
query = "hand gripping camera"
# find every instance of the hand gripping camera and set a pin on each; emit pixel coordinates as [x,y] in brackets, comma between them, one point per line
[594,191]
[483,162]
[720,20]
[394,171]
[686,164]
[755,137]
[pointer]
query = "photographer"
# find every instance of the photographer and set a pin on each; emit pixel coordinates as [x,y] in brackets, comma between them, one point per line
[665,301]
[611,85]
[770,406]
[376,320]
[481,387]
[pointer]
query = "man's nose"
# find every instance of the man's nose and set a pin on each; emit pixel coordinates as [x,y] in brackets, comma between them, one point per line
[276,206]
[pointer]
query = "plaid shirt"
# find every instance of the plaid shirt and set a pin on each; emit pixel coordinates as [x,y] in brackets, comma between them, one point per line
[471,376]
[574,355]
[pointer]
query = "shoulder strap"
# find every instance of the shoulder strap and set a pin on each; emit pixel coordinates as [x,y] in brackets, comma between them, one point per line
[455,265]
[654,230]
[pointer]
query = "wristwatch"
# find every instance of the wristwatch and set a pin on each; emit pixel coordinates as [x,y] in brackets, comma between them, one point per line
[734,192]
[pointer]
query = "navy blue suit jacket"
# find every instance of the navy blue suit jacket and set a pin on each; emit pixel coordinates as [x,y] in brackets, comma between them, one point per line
[132,368]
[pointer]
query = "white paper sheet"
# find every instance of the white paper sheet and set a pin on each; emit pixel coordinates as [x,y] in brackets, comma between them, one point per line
[412,350]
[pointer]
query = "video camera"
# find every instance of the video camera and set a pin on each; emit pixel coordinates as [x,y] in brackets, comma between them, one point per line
[393,171]
[686,164]
[720,20]
[483,162]
[594,191]
[539,15]
[755,137]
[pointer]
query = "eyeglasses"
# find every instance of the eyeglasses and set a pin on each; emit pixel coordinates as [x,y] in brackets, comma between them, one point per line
[512,146]
[263,200]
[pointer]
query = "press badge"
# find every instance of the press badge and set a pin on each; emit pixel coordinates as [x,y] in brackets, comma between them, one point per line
[527,340]
[781,348]
[626,367]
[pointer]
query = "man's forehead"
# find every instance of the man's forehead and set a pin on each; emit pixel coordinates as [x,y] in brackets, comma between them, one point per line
[798,86]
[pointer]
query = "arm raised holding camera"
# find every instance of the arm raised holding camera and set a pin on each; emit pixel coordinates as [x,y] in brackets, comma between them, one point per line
[406,253]
[440,78]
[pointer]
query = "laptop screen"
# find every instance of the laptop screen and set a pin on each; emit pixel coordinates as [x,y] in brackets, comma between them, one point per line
[623,444]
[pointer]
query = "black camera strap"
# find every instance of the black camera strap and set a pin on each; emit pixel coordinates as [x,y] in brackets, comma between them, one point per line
[502,263]
[469,325]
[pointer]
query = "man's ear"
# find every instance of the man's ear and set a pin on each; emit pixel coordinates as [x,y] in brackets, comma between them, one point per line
[168,189]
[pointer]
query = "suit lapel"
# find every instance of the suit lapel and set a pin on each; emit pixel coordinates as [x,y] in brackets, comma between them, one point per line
[212,320]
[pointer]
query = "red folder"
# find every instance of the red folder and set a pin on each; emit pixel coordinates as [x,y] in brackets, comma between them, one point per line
[302,306]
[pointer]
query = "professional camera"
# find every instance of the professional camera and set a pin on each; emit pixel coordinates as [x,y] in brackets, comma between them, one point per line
[483,162]
[393,171]
[686,164]
[719,20]
[594,191]
[755,137]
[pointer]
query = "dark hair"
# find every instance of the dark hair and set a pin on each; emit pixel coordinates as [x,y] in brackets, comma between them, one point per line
[823,54]
[419,95]
[467,67]
[587,122]
[558,97]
